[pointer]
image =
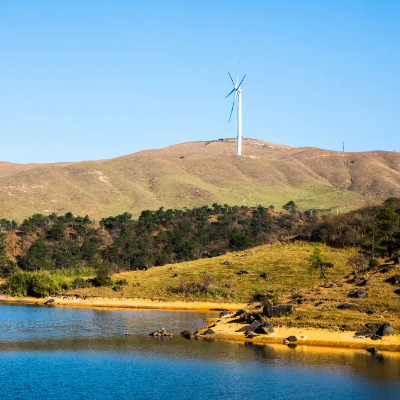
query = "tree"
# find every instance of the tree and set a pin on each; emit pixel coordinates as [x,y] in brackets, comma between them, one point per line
[36,257]
[358,263]
[291,207]
[7,267]
[317,263]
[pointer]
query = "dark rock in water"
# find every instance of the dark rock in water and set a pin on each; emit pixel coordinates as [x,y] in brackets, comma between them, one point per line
[224,313]
[187,334]
[365,333]
[292,345]
[264,275]
[160,333]
[376,337]
[253,326]
[291,338]
[250,335]
[371,312]
[318,304]
[358,294]
[347,306]
[394,280]
[279,310]
[226,263]
[209,331]
[371,327]
[117,288]
[385,329]
[372,350]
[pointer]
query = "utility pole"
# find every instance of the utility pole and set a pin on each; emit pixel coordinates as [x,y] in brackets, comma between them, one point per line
[343,145]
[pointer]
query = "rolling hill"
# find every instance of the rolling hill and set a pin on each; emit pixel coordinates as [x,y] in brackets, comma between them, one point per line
[198,173]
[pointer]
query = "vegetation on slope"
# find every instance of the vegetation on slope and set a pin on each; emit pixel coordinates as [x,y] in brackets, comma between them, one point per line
[194,174]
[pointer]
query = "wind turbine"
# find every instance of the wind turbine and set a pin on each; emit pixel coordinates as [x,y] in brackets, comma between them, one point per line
[238,95]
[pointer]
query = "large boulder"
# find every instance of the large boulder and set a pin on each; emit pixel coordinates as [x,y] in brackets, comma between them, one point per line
[160,333]
[209,331]
[371,326]
[265,329]
[291,338]
[279,310]
[252,327]
[385,329]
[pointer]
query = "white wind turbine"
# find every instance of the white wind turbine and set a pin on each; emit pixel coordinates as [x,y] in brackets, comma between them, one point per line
[238,95]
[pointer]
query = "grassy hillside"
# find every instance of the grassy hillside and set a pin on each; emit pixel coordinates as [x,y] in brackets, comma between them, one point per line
[288,280]
[198,173]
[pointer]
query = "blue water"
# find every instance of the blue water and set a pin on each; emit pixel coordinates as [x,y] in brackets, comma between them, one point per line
[60,353]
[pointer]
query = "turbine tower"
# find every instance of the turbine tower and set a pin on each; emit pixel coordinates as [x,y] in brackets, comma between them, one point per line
[238,95]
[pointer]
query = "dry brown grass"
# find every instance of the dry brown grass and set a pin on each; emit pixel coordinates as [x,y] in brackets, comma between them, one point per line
[209,172]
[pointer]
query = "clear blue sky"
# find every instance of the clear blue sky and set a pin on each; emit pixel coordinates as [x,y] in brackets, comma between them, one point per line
[101,78]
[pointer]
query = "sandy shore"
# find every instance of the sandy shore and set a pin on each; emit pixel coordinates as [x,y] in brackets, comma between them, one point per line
[226,329]
[125,303]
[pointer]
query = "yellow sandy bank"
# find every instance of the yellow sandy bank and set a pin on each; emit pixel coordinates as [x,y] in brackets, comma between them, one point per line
[226,329]
[126,303]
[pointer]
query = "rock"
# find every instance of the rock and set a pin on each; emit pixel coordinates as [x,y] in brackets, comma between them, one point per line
[358,294]
[242,272]
[264,275]
[160,333]
[265,329]
[292,345]
[285,341]
[332,285]
[250,335]
[226,263]
[385,329]
[366,282]
[117,288]
[347,306]
[365,333]
[318,304]
[394,280]
[371,327]
[259,318]
[187,334]
[397,291]
[224,313]
[278,311]
[49,301]
[175,275]
[145,268]
[371,312]
[243,255]
[376,337]
[291,338]
[372,350]
[209,331]
[253,326]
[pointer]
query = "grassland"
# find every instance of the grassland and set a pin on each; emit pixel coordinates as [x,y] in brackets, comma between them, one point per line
[287,277]
[198,173]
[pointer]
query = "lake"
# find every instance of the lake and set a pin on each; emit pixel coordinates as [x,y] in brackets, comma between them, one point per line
[79,353]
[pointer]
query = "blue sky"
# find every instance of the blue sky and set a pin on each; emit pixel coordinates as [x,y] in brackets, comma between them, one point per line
[97,79]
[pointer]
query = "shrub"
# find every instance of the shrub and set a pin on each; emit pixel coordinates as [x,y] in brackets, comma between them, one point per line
[39,284]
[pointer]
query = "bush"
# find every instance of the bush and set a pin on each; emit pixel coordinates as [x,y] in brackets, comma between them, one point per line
[33,284]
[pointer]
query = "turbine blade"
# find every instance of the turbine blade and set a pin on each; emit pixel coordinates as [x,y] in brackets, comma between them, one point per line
[230,92]
[230,76]
[241,81]
[233,105]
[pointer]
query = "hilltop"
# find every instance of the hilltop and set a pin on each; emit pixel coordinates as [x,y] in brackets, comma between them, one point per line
[197,173]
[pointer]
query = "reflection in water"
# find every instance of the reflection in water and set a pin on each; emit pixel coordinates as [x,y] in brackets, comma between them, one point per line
[52,353]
